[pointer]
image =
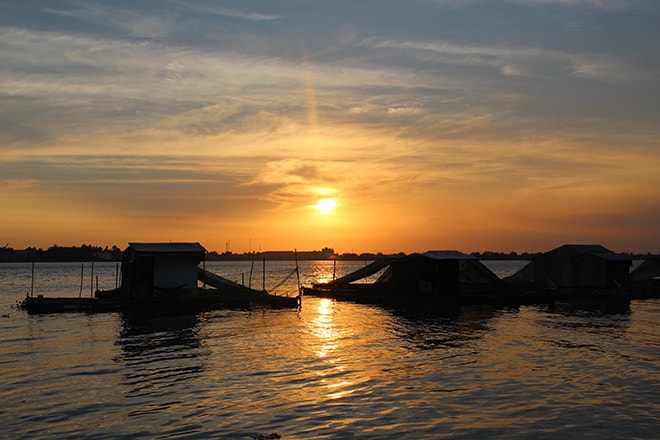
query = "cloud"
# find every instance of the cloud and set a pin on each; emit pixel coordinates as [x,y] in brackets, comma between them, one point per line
[433,106]
[19,184]
[519,60]
[595,4]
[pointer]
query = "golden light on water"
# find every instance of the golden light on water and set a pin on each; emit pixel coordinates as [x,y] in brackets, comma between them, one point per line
[323,327]
[329,335]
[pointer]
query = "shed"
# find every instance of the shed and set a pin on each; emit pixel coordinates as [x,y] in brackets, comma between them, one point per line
[577,266]
[151,269]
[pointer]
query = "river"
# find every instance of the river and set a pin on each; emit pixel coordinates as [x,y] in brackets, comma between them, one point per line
[329,370]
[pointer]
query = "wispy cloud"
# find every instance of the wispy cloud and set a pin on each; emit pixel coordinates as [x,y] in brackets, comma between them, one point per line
[520,61]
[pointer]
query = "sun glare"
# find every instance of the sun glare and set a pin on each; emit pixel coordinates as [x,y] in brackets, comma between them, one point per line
[325,206]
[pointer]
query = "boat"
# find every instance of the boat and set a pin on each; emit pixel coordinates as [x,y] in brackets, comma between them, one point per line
[164,276]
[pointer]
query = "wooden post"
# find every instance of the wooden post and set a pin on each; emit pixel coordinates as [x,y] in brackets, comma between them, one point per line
[251,270]
[32,286]
[82,272]
[91,281]
[295,254]
[116,275]
[264,275]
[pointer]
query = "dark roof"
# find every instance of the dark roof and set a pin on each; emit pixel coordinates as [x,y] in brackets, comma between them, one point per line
[609,256]
[595,250]
[448,255]
[167,248]
[599,251]
[585,248]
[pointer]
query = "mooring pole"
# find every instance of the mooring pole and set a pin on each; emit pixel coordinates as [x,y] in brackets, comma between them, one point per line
[116,275]
[295,254]
[32,286]
[82,272]
[91,282]
[204,269]
[264,275]
[251,270]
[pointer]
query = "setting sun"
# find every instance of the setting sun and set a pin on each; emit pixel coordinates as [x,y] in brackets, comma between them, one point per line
[326,206]
[395,140]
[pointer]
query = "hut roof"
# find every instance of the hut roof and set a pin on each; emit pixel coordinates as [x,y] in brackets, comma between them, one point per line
[167,248]
[595,250]
[448,255]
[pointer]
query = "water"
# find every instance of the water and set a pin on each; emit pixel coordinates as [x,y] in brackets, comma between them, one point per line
[329,370]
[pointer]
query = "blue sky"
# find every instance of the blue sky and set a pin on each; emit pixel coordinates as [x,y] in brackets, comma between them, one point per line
[475,125]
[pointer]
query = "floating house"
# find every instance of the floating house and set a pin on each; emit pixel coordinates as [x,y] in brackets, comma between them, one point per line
[575,268]
[163,277]
[427,277]
[150,270]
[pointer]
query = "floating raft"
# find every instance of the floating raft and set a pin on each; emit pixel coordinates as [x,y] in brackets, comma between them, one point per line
[198,300]
[224,294]
[41,304]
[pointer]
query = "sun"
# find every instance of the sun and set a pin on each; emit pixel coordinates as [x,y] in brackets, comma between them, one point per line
[326,206]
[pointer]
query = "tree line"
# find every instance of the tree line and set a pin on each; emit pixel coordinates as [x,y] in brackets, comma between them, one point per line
[84,252]
[88,252]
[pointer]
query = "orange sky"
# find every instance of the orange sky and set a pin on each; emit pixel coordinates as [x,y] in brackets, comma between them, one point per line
[506,138]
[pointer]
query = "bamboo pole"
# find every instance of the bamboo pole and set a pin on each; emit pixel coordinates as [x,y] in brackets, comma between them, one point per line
[32,286]
[251,270]
[82,273]
[91,281]
[295,254]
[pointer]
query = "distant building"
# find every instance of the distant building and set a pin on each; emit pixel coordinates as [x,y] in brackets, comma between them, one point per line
[323,254]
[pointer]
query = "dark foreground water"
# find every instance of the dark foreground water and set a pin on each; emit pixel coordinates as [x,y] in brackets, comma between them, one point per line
[329,370]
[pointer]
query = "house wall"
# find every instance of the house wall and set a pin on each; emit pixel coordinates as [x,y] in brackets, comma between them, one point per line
[549,268]
[175,270]
[618,273]
[584,271]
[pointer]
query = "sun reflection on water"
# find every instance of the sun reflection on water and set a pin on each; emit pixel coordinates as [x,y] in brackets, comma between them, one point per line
[325,329]
[329,335]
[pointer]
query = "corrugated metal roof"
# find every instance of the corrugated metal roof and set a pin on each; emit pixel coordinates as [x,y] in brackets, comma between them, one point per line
[597,251]
[156,248]
[449,255]
[609,256]
[586,248]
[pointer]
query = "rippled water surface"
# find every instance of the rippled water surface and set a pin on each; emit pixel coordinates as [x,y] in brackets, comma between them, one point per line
[328,370]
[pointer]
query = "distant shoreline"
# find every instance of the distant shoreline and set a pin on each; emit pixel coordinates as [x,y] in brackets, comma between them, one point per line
[55,254]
